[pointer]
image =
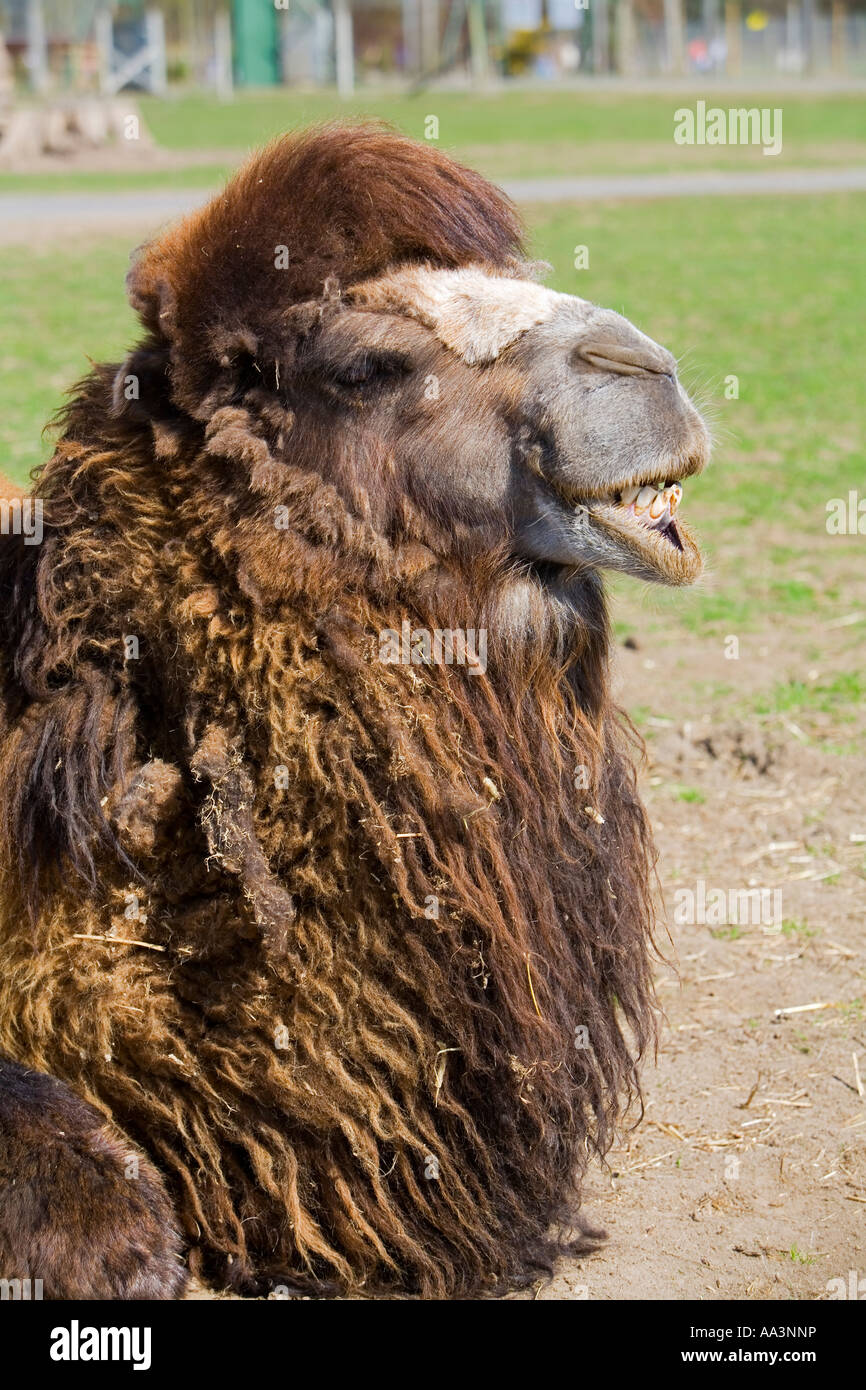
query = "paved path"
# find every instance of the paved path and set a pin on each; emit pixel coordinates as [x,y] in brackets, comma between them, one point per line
[24,214]
[722,181]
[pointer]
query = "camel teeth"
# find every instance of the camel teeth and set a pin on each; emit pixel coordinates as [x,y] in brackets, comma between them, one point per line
[658,503]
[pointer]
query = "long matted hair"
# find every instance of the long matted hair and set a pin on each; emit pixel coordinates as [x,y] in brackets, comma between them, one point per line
[358,952]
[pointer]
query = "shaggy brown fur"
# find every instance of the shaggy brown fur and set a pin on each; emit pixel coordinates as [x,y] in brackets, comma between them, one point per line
[315,931]
[89,1209]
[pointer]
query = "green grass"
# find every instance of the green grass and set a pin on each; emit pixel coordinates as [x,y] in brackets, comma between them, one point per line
[801,929]
[209,175]
[538,117]
[827,696]
[512,133]
[771,291]
[801,1257]
[60,309]
[692,795]
[827,710]
[853,1011]
[793,593]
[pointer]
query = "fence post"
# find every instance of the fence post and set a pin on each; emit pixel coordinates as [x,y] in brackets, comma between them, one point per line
[429,35]
[625,37]
[344,48]
[37,46]
[710,19]
[674,36]
[154,37]
[222,44]
[733,39]
[837,35]
[103,27]
[809,35]
[600,36]
[477,40]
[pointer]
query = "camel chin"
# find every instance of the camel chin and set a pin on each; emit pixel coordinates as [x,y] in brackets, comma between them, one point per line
[665,550]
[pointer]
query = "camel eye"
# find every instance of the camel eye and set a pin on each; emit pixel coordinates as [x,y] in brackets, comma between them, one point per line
[370,369]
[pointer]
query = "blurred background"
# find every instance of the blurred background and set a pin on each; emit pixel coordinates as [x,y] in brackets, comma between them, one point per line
[749,689]
[88,45]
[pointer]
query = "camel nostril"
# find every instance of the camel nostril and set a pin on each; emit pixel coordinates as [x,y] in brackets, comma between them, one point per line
[627,358]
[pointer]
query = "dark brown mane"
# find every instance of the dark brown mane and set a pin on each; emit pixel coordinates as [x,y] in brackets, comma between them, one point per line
[347,202]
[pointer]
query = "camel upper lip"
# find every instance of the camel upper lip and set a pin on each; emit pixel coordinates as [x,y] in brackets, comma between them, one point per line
[675,471]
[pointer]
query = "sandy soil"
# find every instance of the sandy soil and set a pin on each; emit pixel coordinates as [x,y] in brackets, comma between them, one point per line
[747,1177]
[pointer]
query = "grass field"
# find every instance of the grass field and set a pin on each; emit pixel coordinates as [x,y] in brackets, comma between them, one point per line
[518,134]
[539,118]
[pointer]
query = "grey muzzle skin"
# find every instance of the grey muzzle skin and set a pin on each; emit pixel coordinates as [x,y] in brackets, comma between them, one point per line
[614,434]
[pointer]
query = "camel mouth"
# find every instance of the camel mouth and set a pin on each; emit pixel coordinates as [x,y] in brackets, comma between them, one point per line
[647,521]
[644,519]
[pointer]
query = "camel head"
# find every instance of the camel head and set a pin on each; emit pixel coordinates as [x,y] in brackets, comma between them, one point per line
[366,305]
[543,422]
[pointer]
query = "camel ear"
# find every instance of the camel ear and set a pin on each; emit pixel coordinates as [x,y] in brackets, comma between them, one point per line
[193,313]
[150,288]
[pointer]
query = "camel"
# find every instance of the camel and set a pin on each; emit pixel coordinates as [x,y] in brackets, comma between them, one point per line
[325,957]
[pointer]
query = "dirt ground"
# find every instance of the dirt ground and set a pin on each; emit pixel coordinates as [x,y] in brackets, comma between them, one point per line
[747,1176]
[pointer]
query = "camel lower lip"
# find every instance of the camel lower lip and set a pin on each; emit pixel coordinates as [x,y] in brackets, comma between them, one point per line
[665,545]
